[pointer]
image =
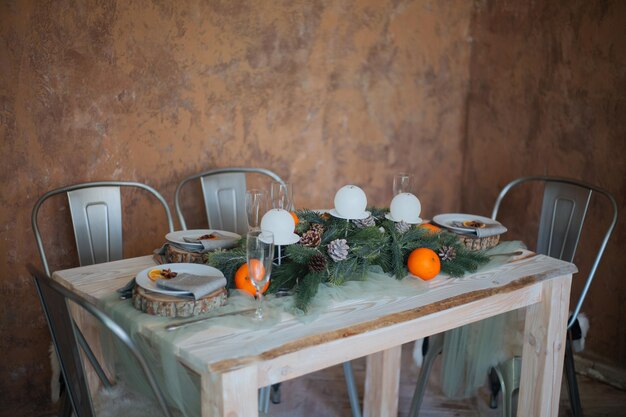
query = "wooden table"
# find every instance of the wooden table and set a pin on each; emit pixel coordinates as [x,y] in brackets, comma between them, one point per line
[234,363]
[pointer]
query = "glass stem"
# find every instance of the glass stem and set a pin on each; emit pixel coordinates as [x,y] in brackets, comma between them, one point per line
[259,303]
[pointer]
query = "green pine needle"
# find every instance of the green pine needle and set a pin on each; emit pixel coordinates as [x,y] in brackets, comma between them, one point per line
[307,289]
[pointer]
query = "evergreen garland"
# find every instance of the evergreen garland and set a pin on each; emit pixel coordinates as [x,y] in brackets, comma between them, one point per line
[379,245]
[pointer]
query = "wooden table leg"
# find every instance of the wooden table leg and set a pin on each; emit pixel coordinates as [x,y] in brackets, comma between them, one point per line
[233,394]
[544,349]
[382,383]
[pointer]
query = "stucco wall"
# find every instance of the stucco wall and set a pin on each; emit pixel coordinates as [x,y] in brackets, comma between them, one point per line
[548,97]
[466,95]
[322,92]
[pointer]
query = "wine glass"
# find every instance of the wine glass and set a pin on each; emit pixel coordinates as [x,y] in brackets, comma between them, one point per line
[256,206]
[260,254]
[402,183]
[281,196]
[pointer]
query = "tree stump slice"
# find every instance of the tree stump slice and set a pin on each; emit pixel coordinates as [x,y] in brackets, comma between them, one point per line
[479,243]
[174,254]
[167,306]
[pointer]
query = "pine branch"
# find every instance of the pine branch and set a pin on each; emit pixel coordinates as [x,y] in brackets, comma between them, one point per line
[286,276]
[300,254]
[307,289]
[228,262]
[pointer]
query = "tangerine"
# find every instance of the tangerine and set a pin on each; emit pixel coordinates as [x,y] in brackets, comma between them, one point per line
[296,220]
[430,227]
[424,263]
[242,278]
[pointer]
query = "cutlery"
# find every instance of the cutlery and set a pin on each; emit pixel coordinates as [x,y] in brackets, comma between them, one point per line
[172,327]
[516,253]
[128,287]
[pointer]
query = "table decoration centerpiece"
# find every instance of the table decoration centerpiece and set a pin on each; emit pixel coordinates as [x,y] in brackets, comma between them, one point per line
[332,251]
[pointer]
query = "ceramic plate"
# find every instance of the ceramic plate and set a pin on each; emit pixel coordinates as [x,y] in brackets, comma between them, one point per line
[361,216]
[228,239]
[451,221]
[388,217]
[145,282]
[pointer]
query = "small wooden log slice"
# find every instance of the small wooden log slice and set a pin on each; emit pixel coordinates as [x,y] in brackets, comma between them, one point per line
[169,306]
[479,243]
[178,255]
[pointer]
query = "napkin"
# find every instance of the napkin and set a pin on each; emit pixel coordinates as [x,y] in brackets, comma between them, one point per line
[222,241]
[197,285]
[490,229]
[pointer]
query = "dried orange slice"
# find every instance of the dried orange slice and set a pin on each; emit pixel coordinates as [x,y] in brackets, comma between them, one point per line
[154,274]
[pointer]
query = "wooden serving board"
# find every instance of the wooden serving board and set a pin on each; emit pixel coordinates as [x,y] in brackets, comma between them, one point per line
[479,243]
[168,306]
[176,255]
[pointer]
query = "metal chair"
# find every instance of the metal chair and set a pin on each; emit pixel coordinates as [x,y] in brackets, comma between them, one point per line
[97,220]
[54,300]
[563,211]
[96,211]
[224,192]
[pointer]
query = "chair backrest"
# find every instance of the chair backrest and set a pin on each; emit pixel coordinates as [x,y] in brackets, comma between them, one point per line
[224,192]
[96,211]
[54,300]
[563,212]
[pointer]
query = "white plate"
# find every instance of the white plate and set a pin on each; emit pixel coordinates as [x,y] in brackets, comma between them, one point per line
[145,282]
[388,217]
[178,238]
[361,216]
[448,221]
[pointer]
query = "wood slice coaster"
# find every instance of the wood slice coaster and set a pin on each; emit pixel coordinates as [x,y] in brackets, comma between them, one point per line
[479,243]
[168,306]
[174,254]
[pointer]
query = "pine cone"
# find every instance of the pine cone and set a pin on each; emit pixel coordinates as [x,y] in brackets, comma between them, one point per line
[447,253]
[312,237]
[402,227]
[338,249]
[366,222]
[317,262]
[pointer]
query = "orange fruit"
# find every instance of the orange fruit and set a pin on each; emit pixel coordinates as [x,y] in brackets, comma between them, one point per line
[296,220]
[424,263]
[242,278]
[430,227]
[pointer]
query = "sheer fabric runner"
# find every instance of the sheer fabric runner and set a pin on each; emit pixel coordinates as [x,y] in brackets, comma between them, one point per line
[468,351]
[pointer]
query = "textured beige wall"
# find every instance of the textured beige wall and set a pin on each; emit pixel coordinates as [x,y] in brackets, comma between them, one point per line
[547,96]
[467,95]
[322,92]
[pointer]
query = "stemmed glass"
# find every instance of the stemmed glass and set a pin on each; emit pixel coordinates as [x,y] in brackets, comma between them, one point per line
[256,206]
[281,196]
[402,183]
[260,254]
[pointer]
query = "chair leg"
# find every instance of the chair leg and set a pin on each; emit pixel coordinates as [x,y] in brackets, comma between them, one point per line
[275,394]
[495,386]
[264,399]
[435,346]
[572,384]
[92,358]
[66,405]
[508,372]
[353,395]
